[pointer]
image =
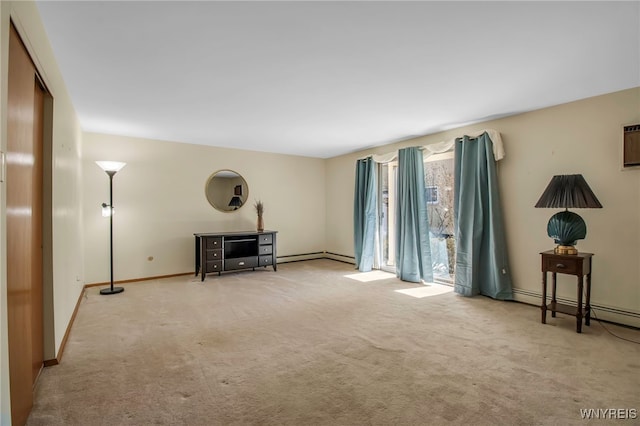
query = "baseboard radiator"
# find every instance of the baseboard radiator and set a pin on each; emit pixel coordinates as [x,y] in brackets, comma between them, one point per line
[603,312]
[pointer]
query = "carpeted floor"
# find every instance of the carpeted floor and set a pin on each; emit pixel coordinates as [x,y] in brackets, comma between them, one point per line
[309,345]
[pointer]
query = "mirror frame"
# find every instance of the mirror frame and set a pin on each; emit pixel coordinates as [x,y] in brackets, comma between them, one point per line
[244,191]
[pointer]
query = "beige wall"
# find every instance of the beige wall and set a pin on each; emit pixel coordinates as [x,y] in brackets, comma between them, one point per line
[66,279]
[579,137]
[160,201]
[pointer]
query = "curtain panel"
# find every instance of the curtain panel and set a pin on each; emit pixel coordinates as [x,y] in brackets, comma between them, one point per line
[481,250]
[413,252]
[365,213]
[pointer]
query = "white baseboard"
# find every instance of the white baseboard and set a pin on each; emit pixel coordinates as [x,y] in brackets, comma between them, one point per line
[316,255]
[605,313]
[299,257]
[340,257]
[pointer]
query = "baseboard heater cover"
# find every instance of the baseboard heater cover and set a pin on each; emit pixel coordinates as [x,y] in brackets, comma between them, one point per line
[594,306]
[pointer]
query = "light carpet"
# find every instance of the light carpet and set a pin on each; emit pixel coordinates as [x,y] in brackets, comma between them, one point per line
[315,343]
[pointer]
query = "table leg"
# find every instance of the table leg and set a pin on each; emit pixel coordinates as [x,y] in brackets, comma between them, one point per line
[587,318]
[544,298]
[197,255]
[203,260]
[553,294]
[579,310]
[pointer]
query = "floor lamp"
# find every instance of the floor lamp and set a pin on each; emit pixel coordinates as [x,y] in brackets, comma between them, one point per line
[111,168]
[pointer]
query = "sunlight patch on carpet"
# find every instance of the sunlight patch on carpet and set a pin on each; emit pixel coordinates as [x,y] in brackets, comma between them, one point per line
[426,290]
[366,277]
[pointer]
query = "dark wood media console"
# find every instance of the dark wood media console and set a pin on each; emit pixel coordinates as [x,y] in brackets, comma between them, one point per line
[230,251]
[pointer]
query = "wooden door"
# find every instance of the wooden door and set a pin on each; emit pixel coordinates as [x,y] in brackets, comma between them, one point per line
[37,341]
[24,228]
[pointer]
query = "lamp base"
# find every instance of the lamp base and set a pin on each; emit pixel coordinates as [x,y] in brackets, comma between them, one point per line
[114,290]
[565,250]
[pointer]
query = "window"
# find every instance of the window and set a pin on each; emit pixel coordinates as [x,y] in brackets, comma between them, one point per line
[431,194]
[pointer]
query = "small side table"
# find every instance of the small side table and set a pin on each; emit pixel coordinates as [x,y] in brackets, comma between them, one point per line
[578,265]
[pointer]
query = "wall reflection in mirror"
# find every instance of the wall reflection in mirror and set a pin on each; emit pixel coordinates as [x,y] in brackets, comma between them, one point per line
[226,190]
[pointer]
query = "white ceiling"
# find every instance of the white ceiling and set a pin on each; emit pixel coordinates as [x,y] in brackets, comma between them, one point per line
[322,79]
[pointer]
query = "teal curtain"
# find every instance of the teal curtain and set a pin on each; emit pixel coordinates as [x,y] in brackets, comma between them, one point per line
[364,214]
[413,252]
[481,250]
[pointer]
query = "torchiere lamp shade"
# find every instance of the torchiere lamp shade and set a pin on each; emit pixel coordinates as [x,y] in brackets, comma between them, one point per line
[111,166]
[566,227]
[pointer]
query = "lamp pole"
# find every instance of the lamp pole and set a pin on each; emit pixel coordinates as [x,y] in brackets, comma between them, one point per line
[111,168]
[111,289]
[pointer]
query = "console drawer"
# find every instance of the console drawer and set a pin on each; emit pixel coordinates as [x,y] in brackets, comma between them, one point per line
[241,263]
[266,249]
[214,266]
[214,254]
[213,242]
[564,265]
[266,260]
[266,239]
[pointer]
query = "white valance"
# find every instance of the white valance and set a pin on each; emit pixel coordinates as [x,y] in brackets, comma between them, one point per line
[439,147]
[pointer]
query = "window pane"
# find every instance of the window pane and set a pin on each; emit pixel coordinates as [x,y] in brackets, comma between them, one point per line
[388,174]
[439,197]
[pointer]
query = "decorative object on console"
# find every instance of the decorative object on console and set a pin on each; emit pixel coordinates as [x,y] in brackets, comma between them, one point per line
[566,228]
[111,168]
[259,211]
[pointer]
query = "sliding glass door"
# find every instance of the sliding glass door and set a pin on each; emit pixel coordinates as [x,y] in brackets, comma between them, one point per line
[439,197]
[388,173]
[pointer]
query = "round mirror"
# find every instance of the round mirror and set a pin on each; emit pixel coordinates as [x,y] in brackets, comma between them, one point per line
[226,190]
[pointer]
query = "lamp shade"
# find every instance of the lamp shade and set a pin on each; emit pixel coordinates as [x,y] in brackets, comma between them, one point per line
[235,202]
[568,191]
[111,166]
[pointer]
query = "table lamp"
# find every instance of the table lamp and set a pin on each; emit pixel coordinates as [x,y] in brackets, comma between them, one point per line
[565,227]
